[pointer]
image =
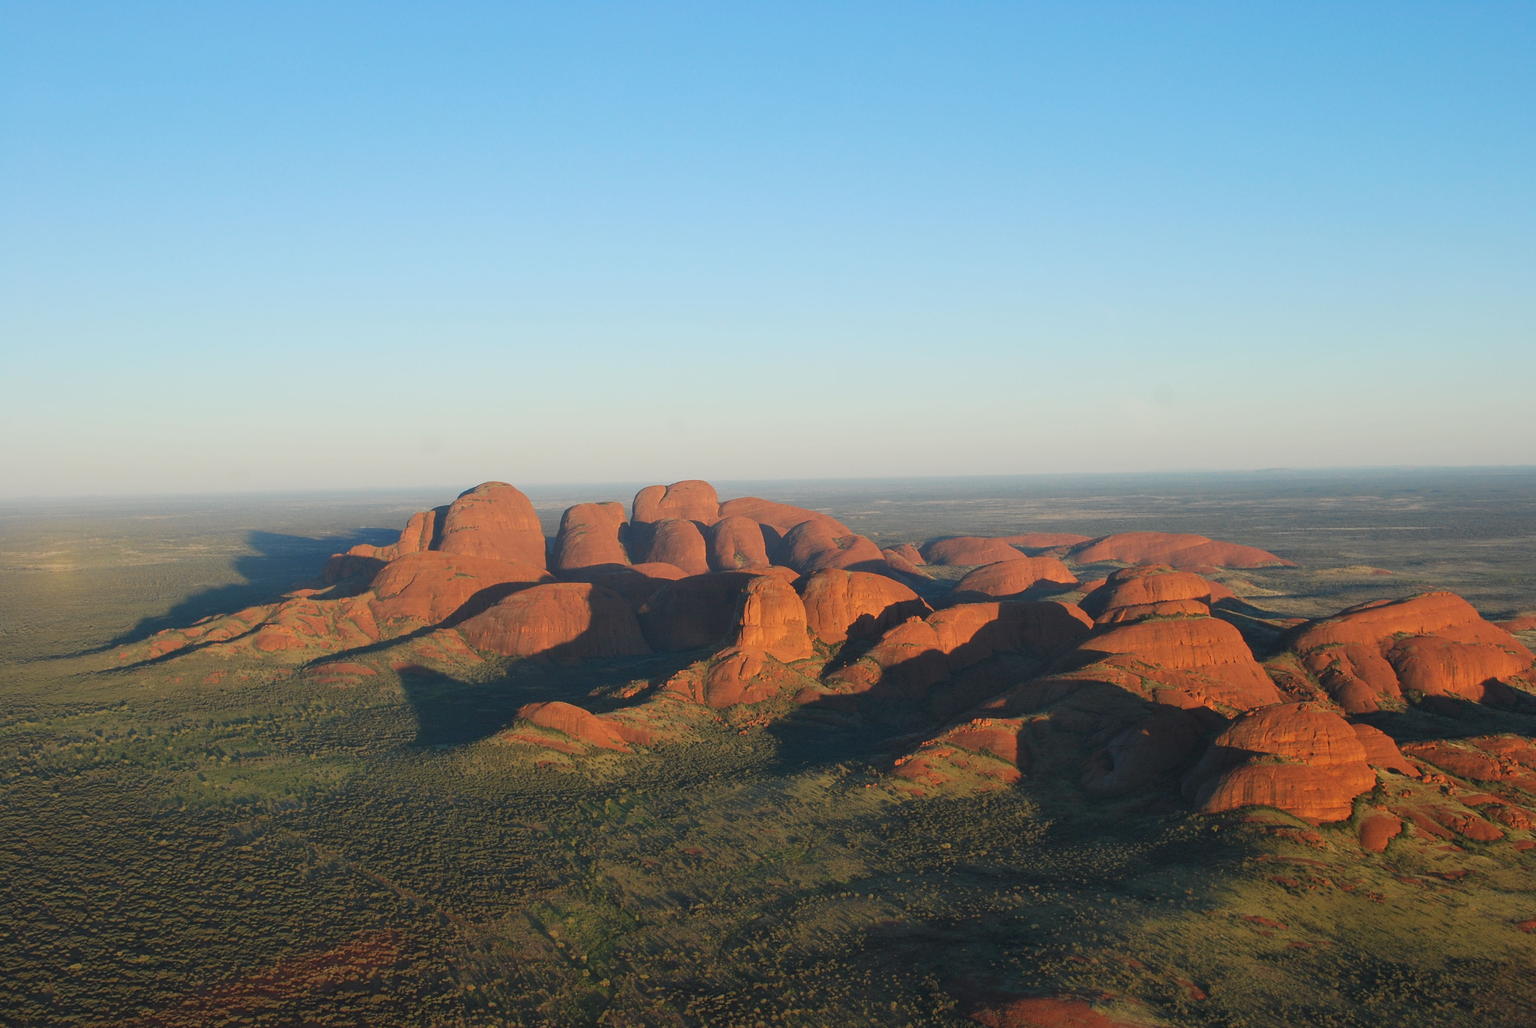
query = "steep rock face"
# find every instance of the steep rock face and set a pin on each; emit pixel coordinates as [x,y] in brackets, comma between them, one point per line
[1297,757]
[590,535]
[493,520]
[568,620]
[1008,579]
[429,587]
[1174,549]
[365,561]
[637,583]
[1204,658]
[913,656]
[736,543]
[970,632]
[696,611]
[839,604]
[690,500]
[770,619]
[679,543]
[906,551]
[968,550]
[1437,644]
[812,546]
[898,563]
[1144,753]
[904,664]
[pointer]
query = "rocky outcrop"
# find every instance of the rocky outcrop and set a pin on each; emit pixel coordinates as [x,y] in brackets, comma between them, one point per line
[580,725]
[813,546]
[1368,657]
[1174,549]
[690,500]
[1298,757]
[1011,578]
[840,604]
[565,620]
[430,587]
[735,544]
[1038,542]
[1194,660]
[591,535]
[679,543]
[770,619]
[968,550]
[780,517]
[693,612]
[495,521]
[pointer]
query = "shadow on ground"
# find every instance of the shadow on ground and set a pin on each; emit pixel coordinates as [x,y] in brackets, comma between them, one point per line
[276,564]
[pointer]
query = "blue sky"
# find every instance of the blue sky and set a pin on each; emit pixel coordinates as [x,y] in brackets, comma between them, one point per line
[296,245]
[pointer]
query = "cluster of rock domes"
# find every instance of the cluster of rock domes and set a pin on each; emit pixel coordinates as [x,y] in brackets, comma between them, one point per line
[1130,682]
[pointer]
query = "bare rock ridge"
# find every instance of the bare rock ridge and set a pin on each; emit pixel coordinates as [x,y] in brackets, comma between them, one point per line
[1114,662]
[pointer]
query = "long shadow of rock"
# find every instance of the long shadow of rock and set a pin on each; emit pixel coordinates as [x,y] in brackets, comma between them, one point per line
[452,711]
[279,563]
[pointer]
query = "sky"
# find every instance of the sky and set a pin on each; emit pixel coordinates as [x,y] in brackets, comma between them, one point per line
[287,245]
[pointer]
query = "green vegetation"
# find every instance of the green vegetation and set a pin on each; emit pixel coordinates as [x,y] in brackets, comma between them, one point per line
[206,842]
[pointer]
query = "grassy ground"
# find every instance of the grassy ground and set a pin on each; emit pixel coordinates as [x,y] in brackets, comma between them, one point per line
[202,842]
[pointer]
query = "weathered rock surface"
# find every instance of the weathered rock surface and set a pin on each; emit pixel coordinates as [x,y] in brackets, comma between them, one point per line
[770,618]
[690,500]
[1155,589]
[692,612]
[679,543]
[1174,549]
[1011,578]
[813,546]
[591,534]
[840,604]
[1203,658]
[735,544]
[493,520]
[567,620]
[1297,757]
[576,722]
[1369,656]
[968,550]
[429,587]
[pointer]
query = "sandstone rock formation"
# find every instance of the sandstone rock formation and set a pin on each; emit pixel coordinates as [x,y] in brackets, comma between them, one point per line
[735,544]
[569,620]
[812,546]
[839,604]
[1368,657]
[690,500]
[770,618]
[1174,549]
[1298,757]
[429,587]
[1011,578]
[1197,660]
[496,521]
[678,542]
[591,534]
[968,550]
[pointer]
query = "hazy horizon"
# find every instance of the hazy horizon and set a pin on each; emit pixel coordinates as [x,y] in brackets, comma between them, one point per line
[541,491]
